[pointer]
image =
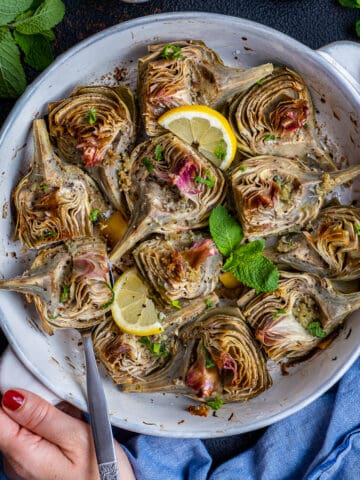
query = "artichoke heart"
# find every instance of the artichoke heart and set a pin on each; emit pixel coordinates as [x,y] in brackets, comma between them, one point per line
[184,267]
[127,358]
[172,188]
[195,74]
[69,284]
[213,355]
[277,194]
[276,117]
[54,200]
[95,127]
[328,247]
[283,320]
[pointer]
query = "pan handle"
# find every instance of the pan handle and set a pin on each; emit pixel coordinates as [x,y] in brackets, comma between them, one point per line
[345,57]
[14,374]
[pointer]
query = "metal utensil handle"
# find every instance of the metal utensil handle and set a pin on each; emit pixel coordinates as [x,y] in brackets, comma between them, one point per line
[99,420]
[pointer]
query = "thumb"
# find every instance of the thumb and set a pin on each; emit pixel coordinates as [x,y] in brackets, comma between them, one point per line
[40,417]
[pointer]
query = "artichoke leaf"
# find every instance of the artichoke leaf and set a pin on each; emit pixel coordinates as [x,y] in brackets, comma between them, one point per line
[54,200]
[69,284]
[164,196]
[282,319]
[196,75]
[274,195]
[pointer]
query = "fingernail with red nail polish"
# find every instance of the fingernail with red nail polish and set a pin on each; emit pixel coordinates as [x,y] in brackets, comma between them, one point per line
[12,399]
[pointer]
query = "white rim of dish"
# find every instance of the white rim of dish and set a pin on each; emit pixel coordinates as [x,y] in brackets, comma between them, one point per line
[203,17]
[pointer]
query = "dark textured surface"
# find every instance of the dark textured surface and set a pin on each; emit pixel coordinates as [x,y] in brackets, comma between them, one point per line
[314,23]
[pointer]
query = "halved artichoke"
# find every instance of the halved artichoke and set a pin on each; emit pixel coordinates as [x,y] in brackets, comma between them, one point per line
[54,200]
[95,127]
[126,358]
[284,321]
[69,284]
[328,247]
[277,194]
[186,73]
[167,190]
[213,355]
[276,117]
[184,267]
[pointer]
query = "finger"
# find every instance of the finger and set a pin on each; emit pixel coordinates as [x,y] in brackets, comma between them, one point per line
[40,417]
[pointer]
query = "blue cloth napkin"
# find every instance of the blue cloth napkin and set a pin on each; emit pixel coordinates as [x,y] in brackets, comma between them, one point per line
[321,442]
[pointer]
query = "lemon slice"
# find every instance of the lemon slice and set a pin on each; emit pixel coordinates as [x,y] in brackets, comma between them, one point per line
[205,128]
[133,311]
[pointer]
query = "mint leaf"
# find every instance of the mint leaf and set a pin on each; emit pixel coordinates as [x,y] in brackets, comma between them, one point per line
[10,9]
[225,230]
[49,34]
[45,17]
[36,48]
[251,268]
[350,3]
[357,27]
[12,76]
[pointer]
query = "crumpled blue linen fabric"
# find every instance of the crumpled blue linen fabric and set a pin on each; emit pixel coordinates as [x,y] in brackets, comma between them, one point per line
[321,442]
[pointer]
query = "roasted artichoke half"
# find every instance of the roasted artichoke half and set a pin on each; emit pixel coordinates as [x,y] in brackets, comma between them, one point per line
[277,194]
[293,319]
[54,201]
[186,73]
[95,127]
[172,188]
[329,246]
[127,358]
[276,117]
[183,267]
[213,355]
[69,284]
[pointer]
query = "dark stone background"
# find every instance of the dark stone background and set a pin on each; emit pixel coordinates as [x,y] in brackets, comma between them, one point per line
[313,22]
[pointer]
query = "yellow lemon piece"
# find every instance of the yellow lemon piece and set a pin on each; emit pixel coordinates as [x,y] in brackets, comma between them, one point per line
[204,128]
[132,310]
[228,280]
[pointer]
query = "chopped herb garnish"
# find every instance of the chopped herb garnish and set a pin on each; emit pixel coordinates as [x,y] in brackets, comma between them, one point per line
[157,349]
[158,153]
[243,168]
[52,317]
[216,403]
[260,82]
[279,312]
[94,214]
[208,302]
[91,116]
[357,229]
[48,234]
[209,362]
[176,304]
[208,180]
[43,188]
[315,329]
[306,125]
[269,137]
[172,52]
[148,164]
[111,301]
[220,150]
[65,290]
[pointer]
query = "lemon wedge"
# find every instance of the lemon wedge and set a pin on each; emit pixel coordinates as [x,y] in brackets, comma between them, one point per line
[204,128]
[132,310]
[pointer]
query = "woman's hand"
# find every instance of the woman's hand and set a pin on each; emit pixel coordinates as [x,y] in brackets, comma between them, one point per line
[40,442]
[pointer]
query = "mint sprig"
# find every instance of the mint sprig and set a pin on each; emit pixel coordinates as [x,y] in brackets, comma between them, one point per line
[25,34]
[352,4]
[225,230]
[246,262]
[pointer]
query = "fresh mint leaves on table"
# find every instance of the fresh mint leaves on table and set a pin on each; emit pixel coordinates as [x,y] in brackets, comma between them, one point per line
[25,28]
[246,262]
[352,4]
